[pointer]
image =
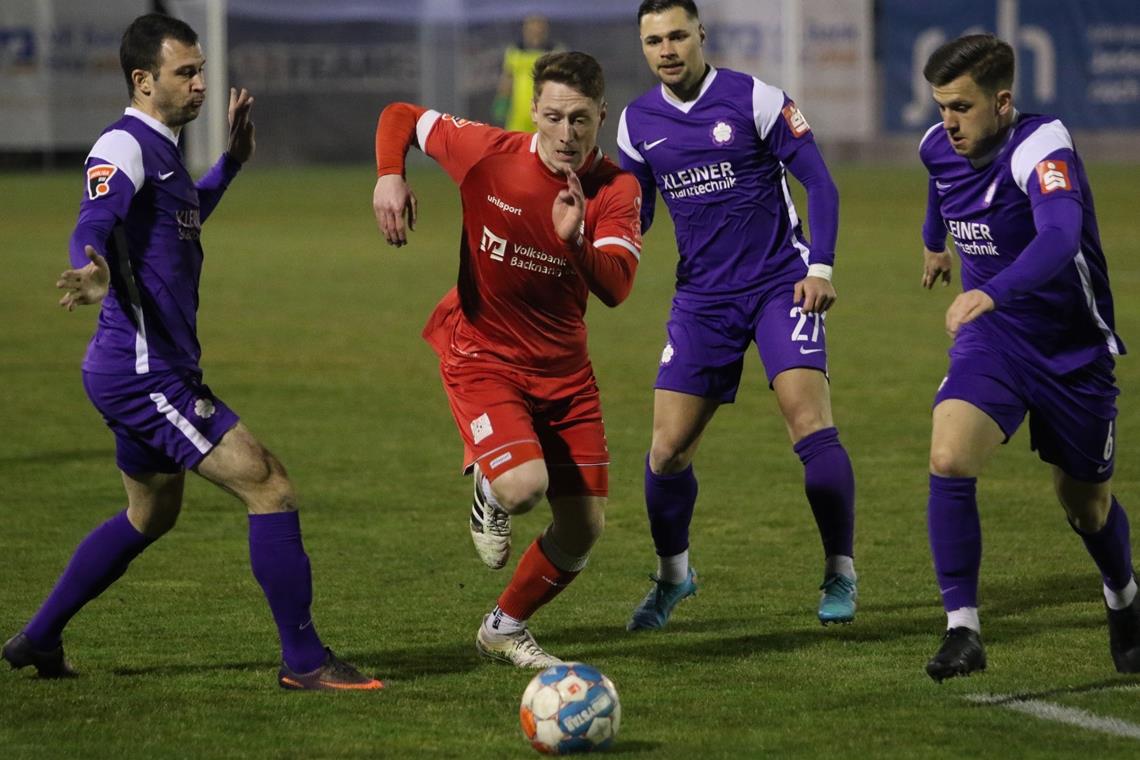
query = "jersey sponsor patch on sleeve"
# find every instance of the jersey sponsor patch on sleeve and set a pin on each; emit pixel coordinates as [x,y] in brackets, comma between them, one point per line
[98,180]
[460,122]
[796,121]
[1053,175]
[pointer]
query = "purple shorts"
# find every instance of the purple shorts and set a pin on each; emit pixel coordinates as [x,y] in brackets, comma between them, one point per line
[163,422]
[1071,417]
[704,353]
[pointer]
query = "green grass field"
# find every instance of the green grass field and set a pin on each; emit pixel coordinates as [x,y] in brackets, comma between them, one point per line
[311,331]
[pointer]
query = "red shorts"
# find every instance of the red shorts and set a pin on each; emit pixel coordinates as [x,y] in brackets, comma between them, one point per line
[507,416]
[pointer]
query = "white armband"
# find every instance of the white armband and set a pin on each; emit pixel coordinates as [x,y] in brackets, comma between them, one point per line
[822,271]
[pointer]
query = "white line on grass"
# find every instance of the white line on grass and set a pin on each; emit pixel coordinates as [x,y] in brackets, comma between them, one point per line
[1060,714]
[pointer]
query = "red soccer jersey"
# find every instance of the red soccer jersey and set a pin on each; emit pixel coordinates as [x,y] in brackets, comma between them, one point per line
[519,298]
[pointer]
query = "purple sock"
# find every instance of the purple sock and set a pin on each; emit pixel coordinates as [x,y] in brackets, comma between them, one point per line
[281,566]
[955,539]
[829,483]
[99,560]
[1111,548]
[669,500]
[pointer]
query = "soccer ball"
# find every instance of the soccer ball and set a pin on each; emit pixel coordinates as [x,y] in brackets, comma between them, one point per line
[570,708]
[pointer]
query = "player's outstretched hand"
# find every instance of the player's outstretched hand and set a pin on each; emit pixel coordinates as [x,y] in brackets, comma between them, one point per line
[935,267]
[569,207]
[815,295]
[966,308]
[86,285]
[393,202]
[241,125]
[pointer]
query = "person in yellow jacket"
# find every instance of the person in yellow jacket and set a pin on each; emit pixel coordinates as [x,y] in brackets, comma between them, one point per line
[511,107]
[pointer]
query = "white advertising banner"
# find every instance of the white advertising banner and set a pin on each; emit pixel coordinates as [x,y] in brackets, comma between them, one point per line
[59,71]
[818,51]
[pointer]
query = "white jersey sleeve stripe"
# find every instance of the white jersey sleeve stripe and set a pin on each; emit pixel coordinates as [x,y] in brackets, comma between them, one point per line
[767,104]
[423,127]
[620,242]
[623,140]
[120,148]
[1046,139]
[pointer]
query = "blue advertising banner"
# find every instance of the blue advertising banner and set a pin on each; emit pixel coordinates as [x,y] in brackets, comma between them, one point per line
[1078,60]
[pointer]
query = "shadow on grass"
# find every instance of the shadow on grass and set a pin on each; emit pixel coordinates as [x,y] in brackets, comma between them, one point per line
[1010,609]
[210,667]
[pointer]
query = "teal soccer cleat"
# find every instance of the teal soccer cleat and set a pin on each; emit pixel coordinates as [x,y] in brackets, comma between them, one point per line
[837,602]
[658,604]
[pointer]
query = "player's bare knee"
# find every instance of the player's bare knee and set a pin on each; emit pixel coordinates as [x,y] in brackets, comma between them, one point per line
[155,519]
[593,526]
[270,490]
[948,463]
[800,426]
[668,459]
[518,496]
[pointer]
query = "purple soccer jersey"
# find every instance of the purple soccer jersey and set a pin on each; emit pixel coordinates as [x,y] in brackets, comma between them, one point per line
[143,212]
[719,163]
[1065,323]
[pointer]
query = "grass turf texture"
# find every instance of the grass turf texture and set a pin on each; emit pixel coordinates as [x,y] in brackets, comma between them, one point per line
[311,331]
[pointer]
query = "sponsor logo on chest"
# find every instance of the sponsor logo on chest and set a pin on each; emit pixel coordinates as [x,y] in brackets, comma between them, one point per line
[699,180]
[519,255]
[972,238]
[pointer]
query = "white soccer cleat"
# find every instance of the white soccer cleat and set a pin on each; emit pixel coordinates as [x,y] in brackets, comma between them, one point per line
[518,648]
[490,528]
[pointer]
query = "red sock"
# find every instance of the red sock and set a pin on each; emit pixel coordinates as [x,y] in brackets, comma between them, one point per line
[536,581]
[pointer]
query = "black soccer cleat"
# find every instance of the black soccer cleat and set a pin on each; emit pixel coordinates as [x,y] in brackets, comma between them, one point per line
[1124,637]
[334,675]
[20,653]
[961,654]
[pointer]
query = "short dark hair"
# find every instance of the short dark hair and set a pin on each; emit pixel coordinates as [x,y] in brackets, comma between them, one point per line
[660,6]
[142,43]
[573,69]
[987,59]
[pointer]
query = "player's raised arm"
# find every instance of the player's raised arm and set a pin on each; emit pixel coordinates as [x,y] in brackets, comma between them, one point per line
[213,183]
[607,263]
